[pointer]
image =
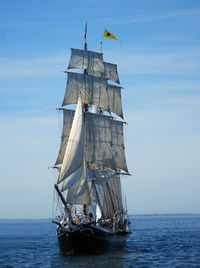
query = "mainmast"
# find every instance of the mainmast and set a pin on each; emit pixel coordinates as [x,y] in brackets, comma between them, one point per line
[85,45]
[85,37]
[85,104]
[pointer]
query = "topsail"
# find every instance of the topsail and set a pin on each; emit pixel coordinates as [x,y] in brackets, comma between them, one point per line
[85,59]
[94,91]
[110,72]
[94,64]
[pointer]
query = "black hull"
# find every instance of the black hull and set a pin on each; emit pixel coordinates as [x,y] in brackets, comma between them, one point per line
[88,238]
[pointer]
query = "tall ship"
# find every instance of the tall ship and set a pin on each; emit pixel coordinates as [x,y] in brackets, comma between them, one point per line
[91,159]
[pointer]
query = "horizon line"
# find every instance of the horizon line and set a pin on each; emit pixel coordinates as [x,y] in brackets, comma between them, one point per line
[147,214]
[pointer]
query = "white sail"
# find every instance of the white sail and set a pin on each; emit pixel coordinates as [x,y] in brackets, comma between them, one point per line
[67,124]
[115,190]
[75,147]
[74,198]
[91,89]
[104,201]
[104,141]
[79,192]
[72,179]
[114,100]
[68,116]
[95,91]
[109,196]
[110,72]
[85,59]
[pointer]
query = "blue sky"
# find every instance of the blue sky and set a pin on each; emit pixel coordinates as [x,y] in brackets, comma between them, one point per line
[159,68]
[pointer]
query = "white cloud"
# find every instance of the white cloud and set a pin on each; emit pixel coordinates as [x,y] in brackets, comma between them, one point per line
[35,67]
[135,61]
[149,89]
[184,61]
[142,18]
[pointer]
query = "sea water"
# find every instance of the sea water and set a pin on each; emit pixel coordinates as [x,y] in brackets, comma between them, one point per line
[156,241]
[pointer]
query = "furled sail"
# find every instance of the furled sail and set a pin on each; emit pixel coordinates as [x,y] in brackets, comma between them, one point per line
[104,141]
[85,59]
[79,192]
[94,91]
[73,156]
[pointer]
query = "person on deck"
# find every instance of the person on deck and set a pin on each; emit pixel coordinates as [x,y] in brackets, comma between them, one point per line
[86,107]
[100,110]
[91,217]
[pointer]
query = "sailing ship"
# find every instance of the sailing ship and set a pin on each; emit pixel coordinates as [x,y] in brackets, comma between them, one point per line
[91,158]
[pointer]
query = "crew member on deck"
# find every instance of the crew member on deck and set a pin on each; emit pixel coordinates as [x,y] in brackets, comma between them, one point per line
[86,107]
[91,217]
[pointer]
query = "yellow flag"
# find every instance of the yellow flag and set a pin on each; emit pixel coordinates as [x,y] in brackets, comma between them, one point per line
[109,35]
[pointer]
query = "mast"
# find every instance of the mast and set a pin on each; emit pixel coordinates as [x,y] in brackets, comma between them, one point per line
[97,196]
[85,37]
[85,105]
[85,45]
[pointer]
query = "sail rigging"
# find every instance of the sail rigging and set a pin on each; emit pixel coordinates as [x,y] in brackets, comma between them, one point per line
[110,197]
[95,91]
[79,192]
[91,156]
[73,154]
[72,179]
[92,151]
[110,72]
[85,59]
[104,142]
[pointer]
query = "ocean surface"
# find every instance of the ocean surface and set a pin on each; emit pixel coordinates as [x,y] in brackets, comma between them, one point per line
[156,241]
